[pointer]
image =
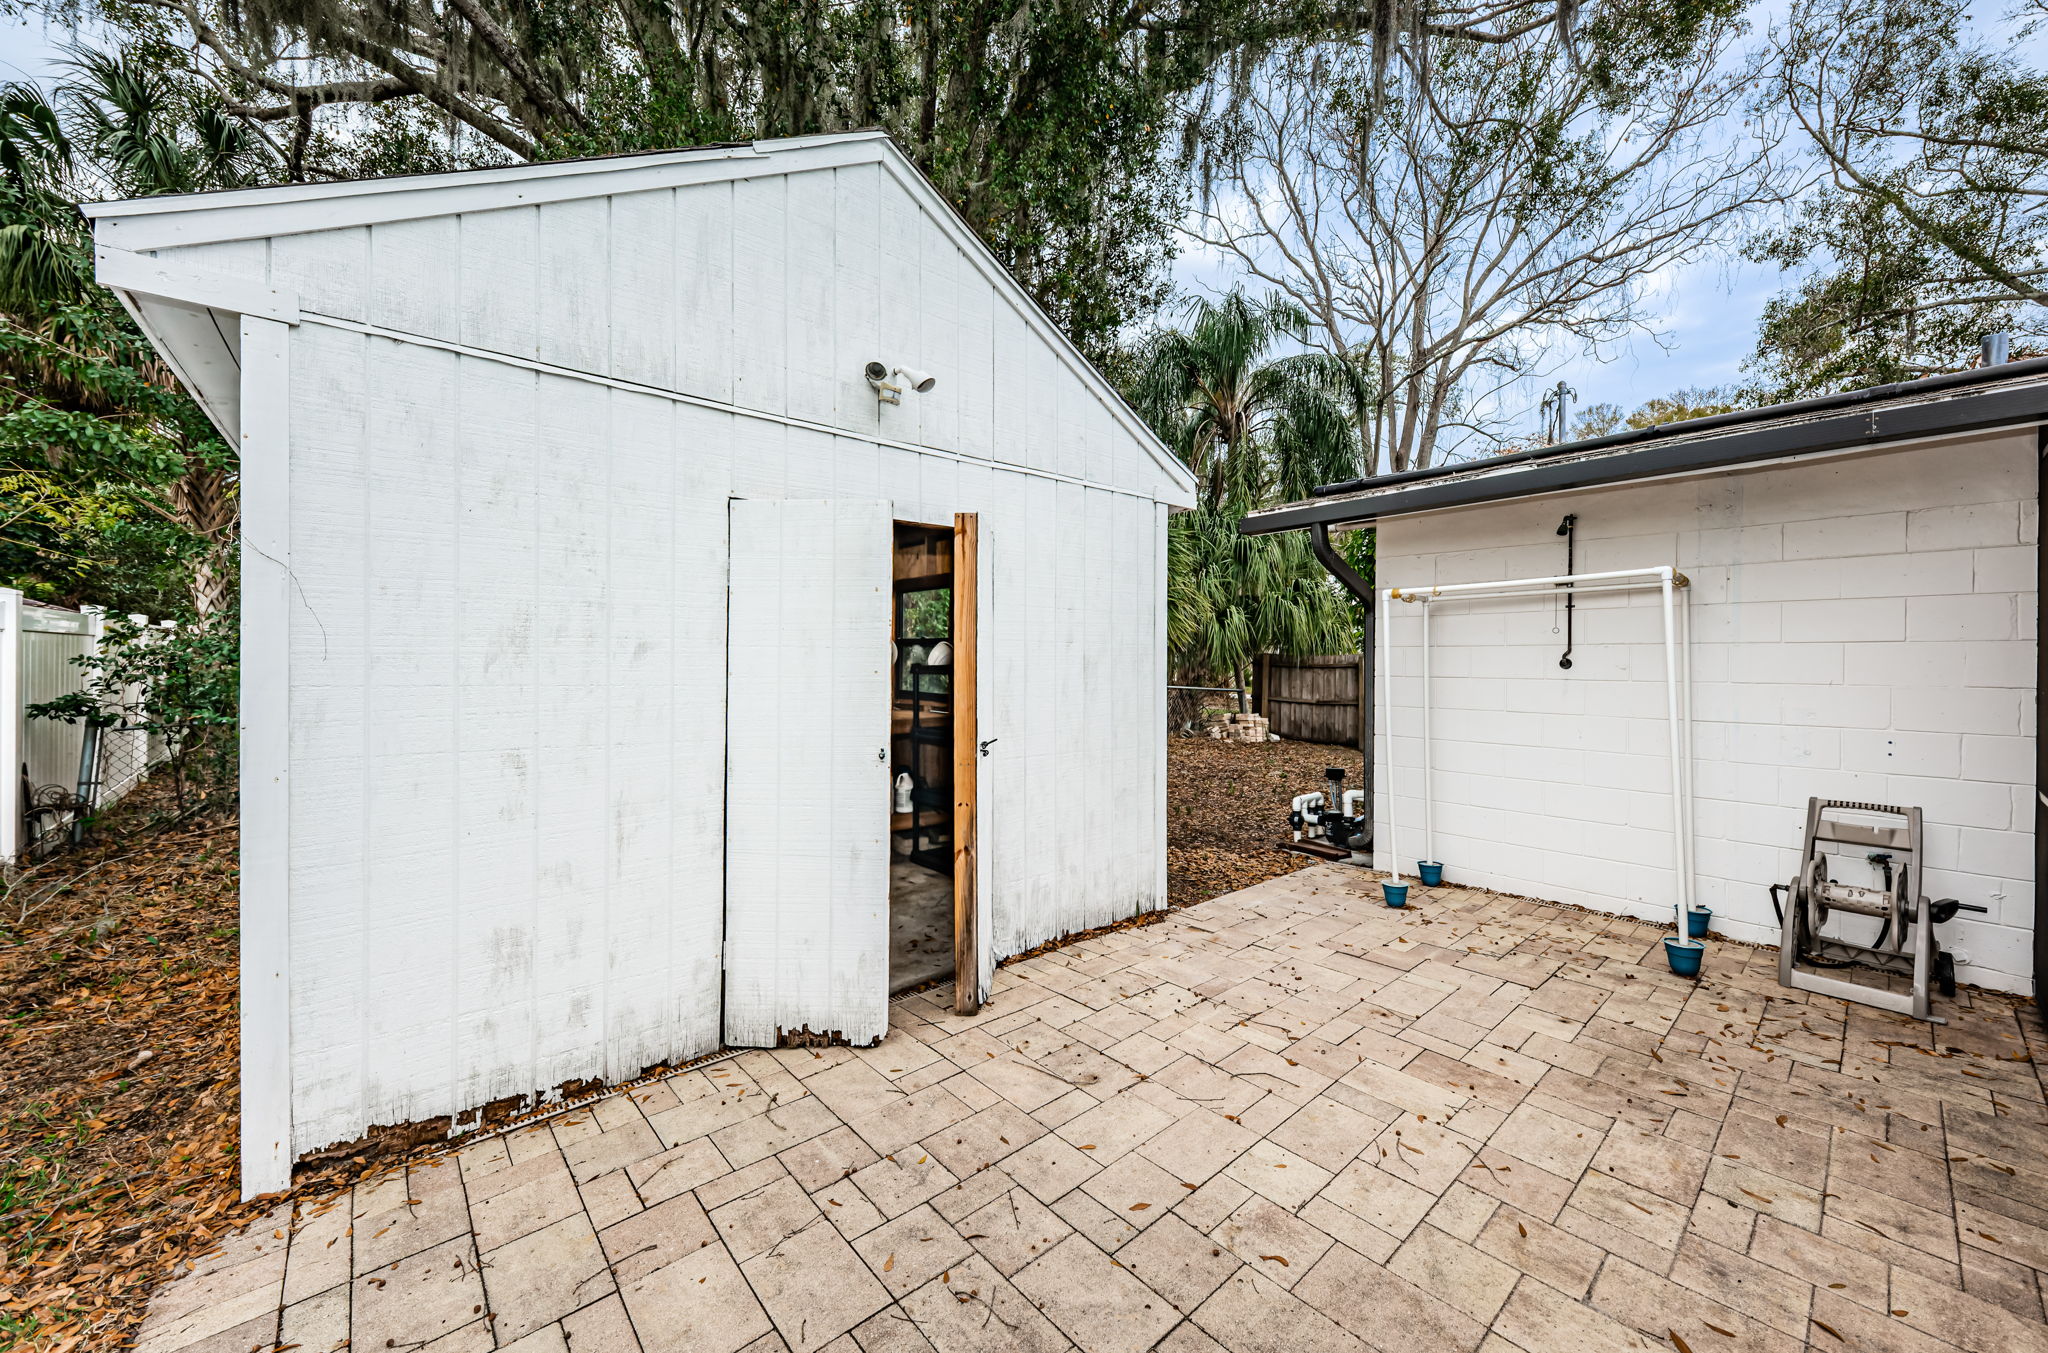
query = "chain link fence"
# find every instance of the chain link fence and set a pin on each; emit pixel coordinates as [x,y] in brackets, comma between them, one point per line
[113,761]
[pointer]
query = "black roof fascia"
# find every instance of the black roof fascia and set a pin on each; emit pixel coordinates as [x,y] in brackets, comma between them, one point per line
[1716,422]
[1867,426]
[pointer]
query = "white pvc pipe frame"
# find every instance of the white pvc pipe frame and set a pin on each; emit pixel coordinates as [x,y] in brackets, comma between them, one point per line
[1677,698]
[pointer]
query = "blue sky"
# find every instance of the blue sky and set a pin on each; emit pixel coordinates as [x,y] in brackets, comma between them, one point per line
[1706,325]
[1708,310]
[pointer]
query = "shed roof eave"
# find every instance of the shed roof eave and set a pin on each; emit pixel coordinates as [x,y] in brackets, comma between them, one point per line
[220,199]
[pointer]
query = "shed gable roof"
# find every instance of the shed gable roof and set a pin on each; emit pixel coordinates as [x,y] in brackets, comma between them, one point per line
[191,313]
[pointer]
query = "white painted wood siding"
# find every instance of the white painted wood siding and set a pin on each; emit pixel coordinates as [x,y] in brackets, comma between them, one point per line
[514,436]
[507,731]
[807,771]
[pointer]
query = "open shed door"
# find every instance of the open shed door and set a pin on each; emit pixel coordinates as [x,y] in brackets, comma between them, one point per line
[807,773]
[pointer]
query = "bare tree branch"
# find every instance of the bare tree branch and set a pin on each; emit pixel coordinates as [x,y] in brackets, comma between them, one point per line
[1497,209]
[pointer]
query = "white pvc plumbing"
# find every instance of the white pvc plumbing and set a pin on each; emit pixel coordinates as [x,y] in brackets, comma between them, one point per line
[1428,740]
[1677,699]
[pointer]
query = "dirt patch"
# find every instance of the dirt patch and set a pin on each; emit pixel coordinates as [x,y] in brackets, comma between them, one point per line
[1226,804]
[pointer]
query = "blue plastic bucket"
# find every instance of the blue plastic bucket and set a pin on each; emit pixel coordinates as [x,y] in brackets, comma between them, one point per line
[1697,920]
[1432,872]
[1396,893]
[1685,955]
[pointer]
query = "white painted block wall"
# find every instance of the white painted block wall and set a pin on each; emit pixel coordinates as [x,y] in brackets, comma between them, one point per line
[1862,626]
[513,438]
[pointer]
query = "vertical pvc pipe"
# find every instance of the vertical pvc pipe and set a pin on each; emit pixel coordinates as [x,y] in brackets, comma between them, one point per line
[1428,763]
[1386,722]
[1678,843]
[1683,601]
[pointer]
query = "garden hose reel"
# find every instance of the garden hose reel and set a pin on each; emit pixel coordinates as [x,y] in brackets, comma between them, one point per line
[1889,840]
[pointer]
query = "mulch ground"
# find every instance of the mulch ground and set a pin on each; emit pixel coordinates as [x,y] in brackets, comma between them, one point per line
[118,1039]
[117,1074]
[1226,806]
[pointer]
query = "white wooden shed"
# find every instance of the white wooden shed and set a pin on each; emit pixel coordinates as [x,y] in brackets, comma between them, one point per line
[583,551]
[1855,618]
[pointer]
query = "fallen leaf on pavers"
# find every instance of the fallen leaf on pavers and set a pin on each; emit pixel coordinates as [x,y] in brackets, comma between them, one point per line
[1681,1345]
[889,1264]
[1726,1334]
[1138,1207]
[1826,1328]
[1522,1230]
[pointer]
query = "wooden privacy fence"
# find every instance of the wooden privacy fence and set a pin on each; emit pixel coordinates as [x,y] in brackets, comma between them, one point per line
[1314,699]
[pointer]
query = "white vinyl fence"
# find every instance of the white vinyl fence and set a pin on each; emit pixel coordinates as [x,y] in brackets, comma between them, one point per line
[41,757]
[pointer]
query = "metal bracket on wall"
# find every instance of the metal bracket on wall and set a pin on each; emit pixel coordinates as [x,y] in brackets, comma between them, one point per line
[1568,528]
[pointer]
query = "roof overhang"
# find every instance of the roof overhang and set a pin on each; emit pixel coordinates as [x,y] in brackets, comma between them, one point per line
[194,319]
[1973,409]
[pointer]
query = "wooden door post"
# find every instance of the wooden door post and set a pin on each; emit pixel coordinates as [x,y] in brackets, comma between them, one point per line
[966,761]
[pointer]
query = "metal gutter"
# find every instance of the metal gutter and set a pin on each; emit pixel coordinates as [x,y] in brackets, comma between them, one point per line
[2011,404]
[1711,423]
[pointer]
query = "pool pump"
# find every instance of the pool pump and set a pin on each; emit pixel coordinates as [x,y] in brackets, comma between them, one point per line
[1329,823]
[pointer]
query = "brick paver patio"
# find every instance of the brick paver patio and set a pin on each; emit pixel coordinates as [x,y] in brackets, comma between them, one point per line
[1288,1119]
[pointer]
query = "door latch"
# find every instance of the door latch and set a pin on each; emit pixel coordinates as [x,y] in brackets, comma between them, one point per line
[987,743]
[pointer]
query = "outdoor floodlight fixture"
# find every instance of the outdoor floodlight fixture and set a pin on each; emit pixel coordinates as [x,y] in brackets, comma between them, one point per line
[878,377]
[887,392]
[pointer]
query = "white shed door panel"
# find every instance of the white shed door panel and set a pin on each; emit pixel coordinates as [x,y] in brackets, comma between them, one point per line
[807,771]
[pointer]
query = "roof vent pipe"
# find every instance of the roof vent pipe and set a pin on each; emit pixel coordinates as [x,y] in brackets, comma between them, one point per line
[1996,349]
[1556,411]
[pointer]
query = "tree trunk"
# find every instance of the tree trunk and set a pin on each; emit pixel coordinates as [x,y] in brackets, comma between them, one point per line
[204,503]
